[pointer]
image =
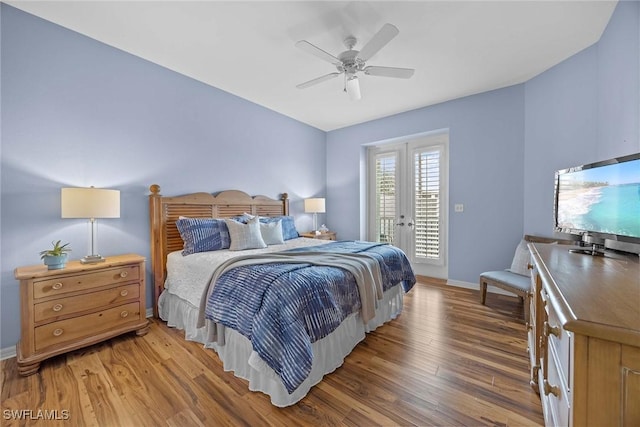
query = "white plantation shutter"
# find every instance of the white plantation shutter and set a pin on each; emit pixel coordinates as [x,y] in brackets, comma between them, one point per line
[427,204]
[407,199]
[385,196]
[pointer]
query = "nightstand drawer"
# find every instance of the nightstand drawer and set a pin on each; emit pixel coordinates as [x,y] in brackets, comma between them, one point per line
[61,307]
[81,282]
[85,326]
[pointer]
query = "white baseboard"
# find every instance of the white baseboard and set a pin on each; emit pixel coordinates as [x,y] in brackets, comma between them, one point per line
[9,352]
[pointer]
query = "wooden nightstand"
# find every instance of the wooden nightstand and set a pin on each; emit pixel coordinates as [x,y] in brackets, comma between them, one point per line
[329,235]
[80,305]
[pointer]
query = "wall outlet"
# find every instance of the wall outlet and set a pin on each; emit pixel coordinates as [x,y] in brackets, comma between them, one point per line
[458,207]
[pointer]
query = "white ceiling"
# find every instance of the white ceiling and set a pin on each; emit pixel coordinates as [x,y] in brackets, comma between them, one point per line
[458,48]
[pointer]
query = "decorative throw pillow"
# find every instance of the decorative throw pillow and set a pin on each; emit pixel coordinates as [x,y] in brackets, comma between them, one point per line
[272,232]
[521,260]
[245,236]
[289,230]
[203,234]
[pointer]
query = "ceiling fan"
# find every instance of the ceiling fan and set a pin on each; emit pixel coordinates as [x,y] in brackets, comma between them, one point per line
[351,61]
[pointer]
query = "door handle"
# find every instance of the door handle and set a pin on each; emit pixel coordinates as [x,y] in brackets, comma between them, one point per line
[400,224]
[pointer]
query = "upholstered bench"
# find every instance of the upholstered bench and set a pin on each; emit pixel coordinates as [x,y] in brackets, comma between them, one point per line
[509,281]
[516,279]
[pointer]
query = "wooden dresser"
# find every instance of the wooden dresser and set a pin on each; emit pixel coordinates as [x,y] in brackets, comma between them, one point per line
[80,305]
[584,337]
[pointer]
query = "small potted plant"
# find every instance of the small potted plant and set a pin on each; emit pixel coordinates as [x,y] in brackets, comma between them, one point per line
[56,258]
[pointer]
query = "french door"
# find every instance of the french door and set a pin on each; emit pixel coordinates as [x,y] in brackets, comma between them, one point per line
[408,200]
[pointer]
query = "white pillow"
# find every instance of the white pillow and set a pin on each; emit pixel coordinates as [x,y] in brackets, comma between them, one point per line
[272,232]
[521,260]
[245,236]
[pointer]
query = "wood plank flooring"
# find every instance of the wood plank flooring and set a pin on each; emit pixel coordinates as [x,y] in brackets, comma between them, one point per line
[447,360]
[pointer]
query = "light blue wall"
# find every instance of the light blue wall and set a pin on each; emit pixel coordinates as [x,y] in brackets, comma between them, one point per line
[505,146]
[76,112]
[486,143]
[583,110]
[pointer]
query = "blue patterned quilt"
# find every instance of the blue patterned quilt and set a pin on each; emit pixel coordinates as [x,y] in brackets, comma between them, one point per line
[283,308]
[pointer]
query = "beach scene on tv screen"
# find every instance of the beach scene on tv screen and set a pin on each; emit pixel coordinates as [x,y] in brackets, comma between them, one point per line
[604,199]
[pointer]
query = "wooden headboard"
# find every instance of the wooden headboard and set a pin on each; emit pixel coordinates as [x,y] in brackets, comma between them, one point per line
[164,211]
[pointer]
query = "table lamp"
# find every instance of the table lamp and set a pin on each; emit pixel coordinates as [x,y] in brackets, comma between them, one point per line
[90,203]
[315,206]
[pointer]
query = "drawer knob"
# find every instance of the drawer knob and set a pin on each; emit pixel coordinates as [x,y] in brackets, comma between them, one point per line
[124,314]
[57,286]
[529,266]
[57,332]
[124,274]
[550,389]
[57,307]
[124,293]
[551,330]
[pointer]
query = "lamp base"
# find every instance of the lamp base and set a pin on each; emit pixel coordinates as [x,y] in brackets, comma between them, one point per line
[92,259]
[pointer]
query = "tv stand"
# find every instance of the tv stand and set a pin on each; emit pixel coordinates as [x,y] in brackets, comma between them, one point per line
[600,251]
[584,337]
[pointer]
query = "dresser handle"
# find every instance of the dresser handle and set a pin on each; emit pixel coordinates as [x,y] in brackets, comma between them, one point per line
[529,266]
[57,286]
[551,330]
[550,389]
[57,332]
[124,314]
[124,274]
[57,307]
[124,293]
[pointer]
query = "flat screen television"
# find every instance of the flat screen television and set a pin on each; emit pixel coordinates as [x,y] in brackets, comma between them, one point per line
[601,202]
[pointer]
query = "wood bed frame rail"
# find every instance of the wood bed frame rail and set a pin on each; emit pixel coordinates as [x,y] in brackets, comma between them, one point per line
[165,211]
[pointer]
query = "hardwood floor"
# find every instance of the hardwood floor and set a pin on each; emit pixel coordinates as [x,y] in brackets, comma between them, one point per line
[447,360]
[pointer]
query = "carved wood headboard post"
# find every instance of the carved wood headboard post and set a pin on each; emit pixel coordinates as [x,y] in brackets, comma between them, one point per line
[156,224]
[165,211]
[285,203]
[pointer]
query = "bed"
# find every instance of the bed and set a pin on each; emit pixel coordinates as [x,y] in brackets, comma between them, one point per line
[280,316]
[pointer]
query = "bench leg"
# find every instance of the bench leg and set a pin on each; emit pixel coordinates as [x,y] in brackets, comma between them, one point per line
[483,291]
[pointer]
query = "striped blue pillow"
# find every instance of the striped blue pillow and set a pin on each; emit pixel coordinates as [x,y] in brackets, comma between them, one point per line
[203,234]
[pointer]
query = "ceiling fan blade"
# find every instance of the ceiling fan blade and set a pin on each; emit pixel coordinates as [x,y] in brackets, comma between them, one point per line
[316,51]
[382,37]
[401,73]
[317,80]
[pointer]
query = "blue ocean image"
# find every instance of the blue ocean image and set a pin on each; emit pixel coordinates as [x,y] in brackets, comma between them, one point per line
[616,211]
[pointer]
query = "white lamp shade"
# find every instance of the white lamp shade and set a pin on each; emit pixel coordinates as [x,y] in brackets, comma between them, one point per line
[315,205]
[90,203]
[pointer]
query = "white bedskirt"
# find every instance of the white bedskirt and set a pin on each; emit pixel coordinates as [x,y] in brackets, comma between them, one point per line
[237,354]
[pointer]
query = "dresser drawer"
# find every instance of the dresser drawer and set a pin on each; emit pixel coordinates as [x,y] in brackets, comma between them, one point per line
[556,395]
[62,307]
[86,326]
[559,343]
[84,281]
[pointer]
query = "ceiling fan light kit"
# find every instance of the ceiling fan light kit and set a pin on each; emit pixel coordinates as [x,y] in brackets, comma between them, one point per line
[351,61]
[353,88]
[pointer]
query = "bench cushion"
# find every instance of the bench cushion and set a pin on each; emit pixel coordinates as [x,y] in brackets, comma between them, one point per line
[514,280]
